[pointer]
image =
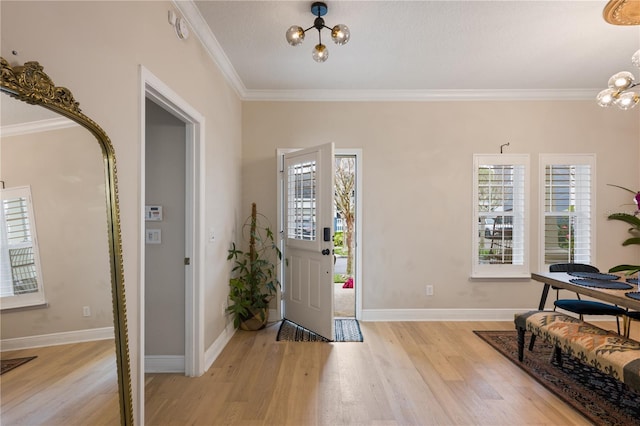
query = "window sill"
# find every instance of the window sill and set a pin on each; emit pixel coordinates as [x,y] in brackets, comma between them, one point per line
[24,307]
[495,277]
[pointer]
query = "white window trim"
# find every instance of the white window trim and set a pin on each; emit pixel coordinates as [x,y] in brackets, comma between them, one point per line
[501,270]
[565,159]
[38,297]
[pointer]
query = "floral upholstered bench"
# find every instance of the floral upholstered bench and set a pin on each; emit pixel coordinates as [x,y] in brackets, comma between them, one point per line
[604,350]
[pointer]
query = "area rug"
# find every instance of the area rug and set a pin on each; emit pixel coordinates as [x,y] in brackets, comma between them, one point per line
[600,398]
[347,330]
[10,364]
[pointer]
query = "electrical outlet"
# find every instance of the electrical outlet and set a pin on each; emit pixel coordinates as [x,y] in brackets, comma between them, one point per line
[429,290]
[86,311]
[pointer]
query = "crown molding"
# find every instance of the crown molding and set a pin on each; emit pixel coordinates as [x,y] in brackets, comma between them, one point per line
[37,126]
[420,95]
[202,31]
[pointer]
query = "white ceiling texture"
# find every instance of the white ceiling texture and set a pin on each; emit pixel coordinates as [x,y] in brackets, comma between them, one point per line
[416,50]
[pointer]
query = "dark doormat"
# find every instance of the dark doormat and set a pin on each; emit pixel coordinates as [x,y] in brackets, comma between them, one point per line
[600,398]
[347,330]
[10,364]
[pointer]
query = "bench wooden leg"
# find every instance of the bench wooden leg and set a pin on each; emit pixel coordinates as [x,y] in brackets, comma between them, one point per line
[556,356]
[520,344]
[532,341]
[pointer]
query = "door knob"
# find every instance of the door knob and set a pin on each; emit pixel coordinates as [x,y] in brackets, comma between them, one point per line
[326,252]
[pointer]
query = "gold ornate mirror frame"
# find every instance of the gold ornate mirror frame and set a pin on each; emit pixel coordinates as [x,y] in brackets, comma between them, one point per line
[29,83]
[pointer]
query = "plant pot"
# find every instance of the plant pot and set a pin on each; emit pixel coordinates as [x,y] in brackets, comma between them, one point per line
[256,321]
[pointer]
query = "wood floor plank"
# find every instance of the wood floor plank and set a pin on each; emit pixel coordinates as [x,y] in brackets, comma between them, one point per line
[404,373]
[65,385]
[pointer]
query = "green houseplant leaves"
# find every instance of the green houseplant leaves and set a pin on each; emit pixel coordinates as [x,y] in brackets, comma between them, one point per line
[634,221]
[254,279]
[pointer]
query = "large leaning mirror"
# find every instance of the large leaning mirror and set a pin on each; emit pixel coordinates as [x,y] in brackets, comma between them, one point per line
[61,251]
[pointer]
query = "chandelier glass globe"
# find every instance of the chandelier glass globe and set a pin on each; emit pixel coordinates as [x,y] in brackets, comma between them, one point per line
[340,34]
[621,81]
[605,98]
[320,53]
[627,100]
[295,35]
[635,59]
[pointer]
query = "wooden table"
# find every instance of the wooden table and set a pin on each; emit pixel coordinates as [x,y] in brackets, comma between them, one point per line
[561,280]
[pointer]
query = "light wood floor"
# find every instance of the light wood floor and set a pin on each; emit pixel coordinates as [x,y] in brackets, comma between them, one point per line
[405,373]
[66,385]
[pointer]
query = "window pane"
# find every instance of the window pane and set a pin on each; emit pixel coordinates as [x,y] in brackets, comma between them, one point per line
[567,213]
[500,206]
[23,268]
[501,223]
[17,221]
[18,267]
[301,201]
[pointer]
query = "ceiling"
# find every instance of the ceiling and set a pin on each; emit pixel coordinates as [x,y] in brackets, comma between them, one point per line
[416,50]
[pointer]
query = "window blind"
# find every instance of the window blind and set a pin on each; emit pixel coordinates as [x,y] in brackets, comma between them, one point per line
[567,213]
[301,201]
[500,217]
[19,262]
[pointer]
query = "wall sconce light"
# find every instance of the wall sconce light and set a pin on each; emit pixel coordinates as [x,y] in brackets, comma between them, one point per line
[340,33]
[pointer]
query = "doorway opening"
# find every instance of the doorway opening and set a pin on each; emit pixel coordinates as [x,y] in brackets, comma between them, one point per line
[191,362]
[349,297]
[345,223]
[165,236]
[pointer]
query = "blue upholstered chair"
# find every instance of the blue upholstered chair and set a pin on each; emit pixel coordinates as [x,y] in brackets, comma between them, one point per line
[584,307]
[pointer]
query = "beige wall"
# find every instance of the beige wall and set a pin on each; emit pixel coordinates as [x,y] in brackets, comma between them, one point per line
[64,169]
[96,49]
[417,183]
[417,156]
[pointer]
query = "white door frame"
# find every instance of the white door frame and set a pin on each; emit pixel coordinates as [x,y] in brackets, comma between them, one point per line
[357,153]
[154,89]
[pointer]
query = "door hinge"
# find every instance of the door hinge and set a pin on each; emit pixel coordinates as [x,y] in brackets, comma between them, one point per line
[187,261]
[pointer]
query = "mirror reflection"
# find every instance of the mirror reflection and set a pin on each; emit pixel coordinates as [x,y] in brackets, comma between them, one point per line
[56,280]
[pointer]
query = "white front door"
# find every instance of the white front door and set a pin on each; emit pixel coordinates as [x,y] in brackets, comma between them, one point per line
[308,239]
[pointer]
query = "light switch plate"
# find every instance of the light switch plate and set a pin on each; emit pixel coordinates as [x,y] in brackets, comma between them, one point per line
[153,236]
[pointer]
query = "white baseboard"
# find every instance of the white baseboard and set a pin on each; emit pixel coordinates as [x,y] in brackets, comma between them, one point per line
[164,364]
[175,363]
[440,314]
[454,315]
[54,339]
[218,345]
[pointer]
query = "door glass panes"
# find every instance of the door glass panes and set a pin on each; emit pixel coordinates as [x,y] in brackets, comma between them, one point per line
[500,214]
[301,201]
[567,207]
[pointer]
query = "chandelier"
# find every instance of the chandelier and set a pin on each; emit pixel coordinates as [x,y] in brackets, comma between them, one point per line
[622,90]
[340,34]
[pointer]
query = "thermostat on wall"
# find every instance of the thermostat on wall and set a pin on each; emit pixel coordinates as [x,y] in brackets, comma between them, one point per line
[153,213]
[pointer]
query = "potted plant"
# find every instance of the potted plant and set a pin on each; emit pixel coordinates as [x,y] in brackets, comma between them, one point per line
[254,278]
[634,221]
